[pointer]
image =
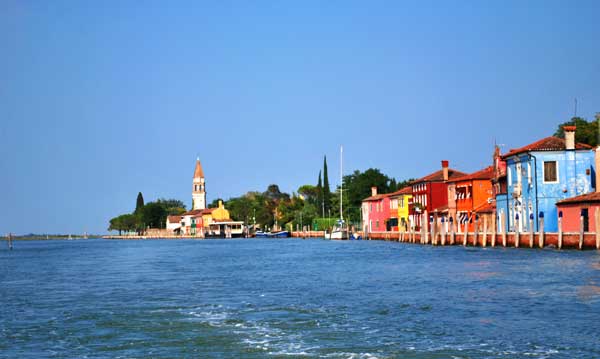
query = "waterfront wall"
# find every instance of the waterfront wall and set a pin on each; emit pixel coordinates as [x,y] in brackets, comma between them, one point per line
[572,240]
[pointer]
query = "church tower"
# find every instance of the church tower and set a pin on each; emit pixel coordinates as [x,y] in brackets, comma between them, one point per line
[198,188]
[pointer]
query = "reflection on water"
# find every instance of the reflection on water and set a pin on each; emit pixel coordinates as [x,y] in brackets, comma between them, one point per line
[295,299]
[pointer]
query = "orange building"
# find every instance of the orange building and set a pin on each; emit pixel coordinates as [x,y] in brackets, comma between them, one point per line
[470,196]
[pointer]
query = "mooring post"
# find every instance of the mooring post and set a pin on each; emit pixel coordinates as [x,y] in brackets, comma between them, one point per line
[597,223]
[10,246]
[541,230]
[476,237]
[581,228]
[443,231]
[517,234]
[452,232]
[560,232]
[484,239]
[531,230]
[465,234]
[503,228]
[494,229]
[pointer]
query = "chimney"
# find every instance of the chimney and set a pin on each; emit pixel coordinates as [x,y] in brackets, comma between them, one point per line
[445,169]
[597,168]
[374,191]
[569,137]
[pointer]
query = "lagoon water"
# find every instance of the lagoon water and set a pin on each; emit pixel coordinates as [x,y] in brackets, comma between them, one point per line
[295,298]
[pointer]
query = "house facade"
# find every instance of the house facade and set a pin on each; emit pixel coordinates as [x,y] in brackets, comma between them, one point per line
[541,174]
[376,212]
[430,194]
[470,197]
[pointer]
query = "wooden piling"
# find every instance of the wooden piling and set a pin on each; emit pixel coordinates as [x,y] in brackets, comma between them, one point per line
[10,243]
[502,225]
[465,234]
[444,232]
[597,222]
[494,230]
[541,233]
[581,232]
[560,232]
[484,242]
[475,237]
[517,235]
[452,233]
[531,234]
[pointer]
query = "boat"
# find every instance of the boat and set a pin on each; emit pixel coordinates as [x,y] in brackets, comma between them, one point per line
[340,231]
[279,234]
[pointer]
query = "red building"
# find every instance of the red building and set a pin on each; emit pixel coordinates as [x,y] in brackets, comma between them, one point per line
[572,209]
[376,211]
[430,193]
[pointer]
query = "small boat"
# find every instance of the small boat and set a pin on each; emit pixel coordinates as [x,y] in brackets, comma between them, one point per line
[280,234]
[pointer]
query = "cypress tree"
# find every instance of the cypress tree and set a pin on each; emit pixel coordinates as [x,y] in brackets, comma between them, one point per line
[139,203]
[326,190]
[319,193]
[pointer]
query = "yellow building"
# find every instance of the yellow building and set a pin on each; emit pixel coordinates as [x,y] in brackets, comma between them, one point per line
[404,196]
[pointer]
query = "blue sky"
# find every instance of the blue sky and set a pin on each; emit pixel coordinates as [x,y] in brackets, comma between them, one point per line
[100,100]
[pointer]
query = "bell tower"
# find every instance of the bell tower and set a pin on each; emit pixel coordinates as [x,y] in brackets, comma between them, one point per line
[198,188]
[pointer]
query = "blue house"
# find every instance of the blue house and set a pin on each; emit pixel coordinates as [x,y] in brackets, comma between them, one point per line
[539,175]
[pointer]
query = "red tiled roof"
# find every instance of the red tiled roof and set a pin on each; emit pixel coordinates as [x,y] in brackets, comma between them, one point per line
[438,176]
[376,197]
[174,219]
[484,174]
[589,197]
[545,144]
[193,212]
[405,190]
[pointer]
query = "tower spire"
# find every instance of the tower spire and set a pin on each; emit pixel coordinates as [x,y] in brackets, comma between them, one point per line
[198,187]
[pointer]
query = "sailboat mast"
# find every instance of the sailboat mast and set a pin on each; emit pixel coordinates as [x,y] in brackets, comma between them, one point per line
[341,178]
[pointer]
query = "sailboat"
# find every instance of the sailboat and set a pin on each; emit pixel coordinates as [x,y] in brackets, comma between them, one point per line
[340,231]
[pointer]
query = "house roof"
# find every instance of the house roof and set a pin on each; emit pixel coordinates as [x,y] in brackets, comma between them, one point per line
[438,176]
[589,197]
[376,197]
[403,191]
[193,212]
[545,144]
[174,219]
[196,212]
[198,172]
[484,174]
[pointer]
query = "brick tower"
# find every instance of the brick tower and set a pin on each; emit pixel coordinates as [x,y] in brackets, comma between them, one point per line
[198,188]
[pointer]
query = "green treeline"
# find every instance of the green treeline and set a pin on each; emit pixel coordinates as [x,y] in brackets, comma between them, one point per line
[149,215]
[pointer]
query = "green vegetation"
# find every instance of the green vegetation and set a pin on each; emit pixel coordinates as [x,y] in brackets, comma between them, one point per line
[305,206]
[587,132]
[151,214]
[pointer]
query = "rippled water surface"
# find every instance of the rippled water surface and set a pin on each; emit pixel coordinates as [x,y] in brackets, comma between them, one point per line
[295,298]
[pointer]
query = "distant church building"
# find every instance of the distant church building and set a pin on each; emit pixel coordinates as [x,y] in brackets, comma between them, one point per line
[198,188]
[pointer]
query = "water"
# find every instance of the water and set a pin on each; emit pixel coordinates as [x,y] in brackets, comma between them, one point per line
[295,299]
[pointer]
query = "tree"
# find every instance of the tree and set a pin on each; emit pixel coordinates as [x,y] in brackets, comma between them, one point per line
[310,193]
[139,203]
[587,132]
[153,215]
[319,193]
[172,206]
[124,222]
[326,189]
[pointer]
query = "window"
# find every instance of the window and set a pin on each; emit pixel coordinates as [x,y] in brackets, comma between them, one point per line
[550,171]
[377,224]
[401,203]
[529,173]
[509,175]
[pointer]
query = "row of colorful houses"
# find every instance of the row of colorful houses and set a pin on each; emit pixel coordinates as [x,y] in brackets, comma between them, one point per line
[541,182]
